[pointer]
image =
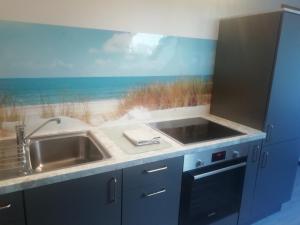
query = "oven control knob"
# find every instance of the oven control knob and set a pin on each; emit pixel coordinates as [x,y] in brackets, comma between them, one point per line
[199,163]
[235,154]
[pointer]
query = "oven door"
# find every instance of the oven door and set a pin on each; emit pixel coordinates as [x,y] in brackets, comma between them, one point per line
[212,193]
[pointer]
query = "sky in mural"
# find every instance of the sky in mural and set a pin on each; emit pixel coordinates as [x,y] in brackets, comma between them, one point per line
[35,50]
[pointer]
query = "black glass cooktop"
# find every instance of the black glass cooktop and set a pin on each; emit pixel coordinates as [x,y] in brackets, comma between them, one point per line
[194,130]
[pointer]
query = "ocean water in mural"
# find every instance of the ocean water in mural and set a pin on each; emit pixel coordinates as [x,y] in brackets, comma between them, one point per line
[31,91]
[45,61]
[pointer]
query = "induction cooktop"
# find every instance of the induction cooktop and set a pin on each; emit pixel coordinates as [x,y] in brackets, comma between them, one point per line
[193,130]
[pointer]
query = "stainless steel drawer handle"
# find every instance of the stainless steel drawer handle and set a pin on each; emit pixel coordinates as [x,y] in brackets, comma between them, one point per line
[5,207]
[155,193]
[113,190]
[156,170]
[197,177]
[255,154]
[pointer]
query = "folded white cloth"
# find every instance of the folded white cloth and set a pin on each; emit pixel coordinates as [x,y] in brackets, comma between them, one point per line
[142,137]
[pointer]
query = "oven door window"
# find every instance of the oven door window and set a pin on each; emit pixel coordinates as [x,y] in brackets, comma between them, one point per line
[210,198]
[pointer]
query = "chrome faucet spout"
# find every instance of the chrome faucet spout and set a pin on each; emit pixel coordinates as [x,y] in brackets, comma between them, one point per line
[23,141]
[27,137]
[20,131]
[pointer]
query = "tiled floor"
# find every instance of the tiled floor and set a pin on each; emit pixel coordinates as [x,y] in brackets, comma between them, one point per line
[290,212]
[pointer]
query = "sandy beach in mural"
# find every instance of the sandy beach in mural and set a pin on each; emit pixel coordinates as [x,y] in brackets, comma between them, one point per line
[156,96]
[93,113]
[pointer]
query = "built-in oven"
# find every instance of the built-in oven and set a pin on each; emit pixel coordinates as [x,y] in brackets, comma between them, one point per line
[212,186]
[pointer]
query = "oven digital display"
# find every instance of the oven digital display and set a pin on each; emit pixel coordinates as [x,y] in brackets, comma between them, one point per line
[218,156]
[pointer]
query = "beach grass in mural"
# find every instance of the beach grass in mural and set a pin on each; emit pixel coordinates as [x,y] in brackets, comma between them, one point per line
[45,64]
[180,93]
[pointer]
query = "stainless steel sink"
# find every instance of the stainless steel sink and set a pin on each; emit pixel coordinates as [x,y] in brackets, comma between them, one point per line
[56,152]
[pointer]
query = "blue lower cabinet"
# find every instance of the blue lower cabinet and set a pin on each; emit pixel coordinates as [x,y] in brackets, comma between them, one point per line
[245,215]
[94,200]
[269,181]
[11,209]
[275,178]
[152,197]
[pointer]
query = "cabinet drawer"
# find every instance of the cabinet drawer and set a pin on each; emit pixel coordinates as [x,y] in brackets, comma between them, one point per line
[152,173]
[157,204]
[11,209]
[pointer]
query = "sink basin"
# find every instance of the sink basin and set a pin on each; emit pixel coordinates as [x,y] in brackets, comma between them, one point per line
[56,152]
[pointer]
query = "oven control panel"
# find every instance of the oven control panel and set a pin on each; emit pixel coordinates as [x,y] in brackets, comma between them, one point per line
[212,156]
[218,156]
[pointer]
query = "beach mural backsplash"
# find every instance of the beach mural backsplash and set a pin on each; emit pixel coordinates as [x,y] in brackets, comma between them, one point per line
[79,72]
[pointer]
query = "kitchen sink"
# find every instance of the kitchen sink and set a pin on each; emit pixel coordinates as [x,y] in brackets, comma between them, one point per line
[61,151]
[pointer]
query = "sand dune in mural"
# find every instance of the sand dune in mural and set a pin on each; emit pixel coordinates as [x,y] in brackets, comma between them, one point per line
[180,93]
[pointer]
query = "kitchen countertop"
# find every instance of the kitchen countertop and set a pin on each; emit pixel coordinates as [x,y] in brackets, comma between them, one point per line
[121,159]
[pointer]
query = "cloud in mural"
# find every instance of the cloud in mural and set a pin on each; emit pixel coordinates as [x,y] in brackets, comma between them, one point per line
[118,43]
[153,54]
[145,44]
[59,63]
[129,43]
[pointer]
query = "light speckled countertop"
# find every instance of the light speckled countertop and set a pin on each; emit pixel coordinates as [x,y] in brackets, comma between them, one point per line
[120,159]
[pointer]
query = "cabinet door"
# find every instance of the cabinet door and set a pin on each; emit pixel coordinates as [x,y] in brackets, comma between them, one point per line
[11,209]
[276,175]
[94,200]
[244,66]
[283,120]
[154,197]
[245,216]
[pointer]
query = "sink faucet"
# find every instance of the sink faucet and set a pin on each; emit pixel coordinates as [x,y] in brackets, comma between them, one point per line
[23,141]
[20,131]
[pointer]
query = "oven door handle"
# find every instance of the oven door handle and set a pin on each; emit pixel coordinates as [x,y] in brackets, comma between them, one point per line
[200,176]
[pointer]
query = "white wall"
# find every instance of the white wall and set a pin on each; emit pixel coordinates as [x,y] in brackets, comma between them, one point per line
[192,18]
